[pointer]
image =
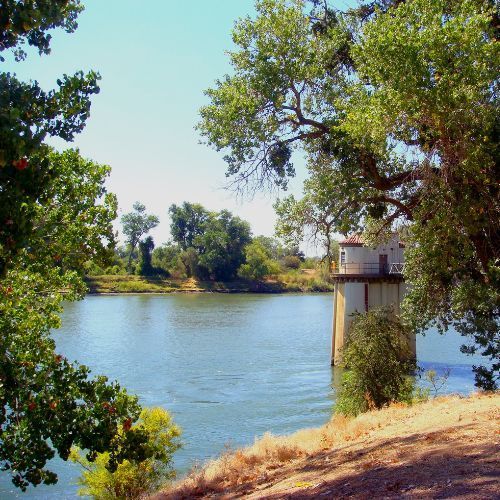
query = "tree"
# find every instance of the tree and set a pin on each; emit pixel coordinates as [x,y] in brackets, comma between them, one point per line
[55,215]
[313,215]
[166,256]
[133,480]
[136,224]
[378,362]
[271,245]
[28,114]
[49,404]
[190,262]
[395,104]
[258,262]
[221,246]
[145,255]
[188,222]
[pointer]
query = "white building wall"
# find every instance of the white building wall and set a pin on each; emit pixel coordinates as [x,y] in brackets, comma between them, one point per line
[354,301]
[358,257]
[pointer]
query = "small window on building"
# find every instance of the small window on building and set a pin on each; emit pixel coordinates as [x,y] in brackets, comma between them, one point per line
[342,258]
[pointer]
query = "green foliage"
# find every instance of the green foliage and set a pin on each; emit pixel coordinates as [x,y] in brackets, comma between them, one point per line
[166,257]
[378,363]
[28,22]
[258,262]
[28,114]
[136,224]
[188,222]
[55,217]
[48,404]
[145,255]
[291,262]
[221,246]
[313,215]
[212,243]
[272,246]
[189,259]
[132,480]
[395,104]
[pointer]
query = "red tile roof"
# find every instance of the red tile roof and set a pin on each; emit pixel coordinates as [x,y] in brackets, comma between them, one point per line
[354,240]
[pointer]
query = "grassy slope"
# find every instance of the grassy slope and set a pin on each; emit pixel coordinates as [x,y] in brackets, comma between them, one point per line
[291,282]
[444,448]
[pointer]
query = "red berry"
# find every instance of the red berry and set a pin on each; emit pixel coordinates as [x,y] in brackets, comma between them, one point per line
[21,164]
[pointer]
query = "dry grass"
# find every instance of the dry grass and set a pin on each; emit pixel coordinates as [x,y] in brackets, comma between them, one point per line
[308,462]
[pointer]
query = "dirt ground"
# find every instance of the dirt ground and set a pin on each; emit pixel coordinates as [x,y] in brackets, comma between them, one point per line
[444,448]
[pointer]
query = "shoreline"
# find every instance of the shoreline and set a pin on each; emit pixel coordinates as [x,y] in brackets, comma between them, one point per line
[443,447]
[126,284]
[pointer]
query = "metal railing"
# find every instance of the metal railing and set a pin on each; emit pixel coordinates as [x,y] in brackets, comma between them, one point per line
[397,268]
[371,268]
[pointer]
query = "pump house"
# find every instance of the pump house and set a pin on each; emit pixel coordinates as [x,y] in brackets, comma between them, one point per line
[365,278]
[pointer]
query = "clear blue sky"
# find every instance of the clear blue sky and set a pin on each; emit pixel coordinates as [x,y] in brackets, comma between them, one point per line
[155,57]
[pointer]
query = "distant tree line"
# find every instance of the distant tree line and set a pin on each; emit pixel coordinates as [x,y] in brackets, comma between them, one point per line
[204,244]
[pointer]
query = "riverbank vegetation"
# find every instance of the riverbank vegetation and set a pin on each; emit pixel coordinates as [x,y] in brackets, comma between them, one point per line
[133,479]
[209,251]
[298,282]
[380,364]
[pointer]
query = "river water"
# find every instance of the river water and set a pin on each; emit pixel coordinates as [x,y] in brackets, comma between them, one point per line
[228,367]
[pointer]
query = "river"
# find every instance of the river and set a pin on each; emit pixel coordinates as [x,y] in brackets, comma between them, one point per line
[228,367]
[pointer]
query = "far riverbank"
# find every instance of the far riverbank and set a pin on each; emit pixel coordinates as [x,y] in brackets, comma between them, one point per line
[105,284]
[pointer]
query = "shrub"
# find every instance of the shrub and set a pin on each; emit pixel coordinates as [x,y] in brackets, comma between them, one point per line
[132,480]
[292,261]
[258,263]
[378,362]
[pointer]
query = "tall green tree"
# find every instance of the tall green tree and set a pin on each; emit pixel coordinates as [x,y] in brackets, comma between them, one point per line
[258,262]
[137,224]
[221,246]
[146,248]
[395,104]
[188,222]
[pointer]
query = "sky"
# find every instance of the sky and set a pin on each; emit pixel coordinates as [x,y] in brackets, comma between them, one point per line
[155,57]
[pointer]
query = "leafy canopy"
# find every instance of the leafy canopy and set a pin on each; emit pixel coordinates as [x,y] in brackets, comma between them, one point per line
[394,103]
[55,215]
[49,404]
[212,242]
[258,262]
[136,224]
[28,114]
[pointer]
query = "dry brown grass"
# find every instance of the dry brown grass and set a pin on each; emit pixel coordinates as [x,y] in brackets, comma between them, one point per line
[373,441]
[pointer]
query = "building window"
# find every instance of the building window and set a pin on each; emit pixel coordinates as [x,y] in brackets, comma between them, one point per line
[366,297]
[342,258]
